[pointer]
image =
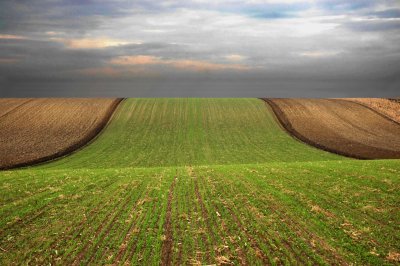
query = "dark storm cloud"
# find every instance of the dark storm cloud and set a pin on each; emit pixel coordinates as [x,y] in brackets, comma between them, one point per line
[41,57]
[200,48]
[75,17]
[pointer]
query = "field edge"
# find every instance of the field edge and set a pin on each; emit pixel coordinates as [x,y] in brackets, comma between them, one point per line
[76,146]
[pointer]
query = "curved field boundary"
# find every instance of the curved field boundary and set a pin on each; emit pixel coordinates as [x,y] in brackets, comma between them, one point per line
[81,142]
[88,142]
[285,123]
[359,149]
[170,132]
[378,110]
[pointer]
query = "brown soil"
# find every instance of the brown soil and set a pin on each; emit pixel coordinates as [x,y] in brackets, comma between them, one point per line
[10,104]
[37,130]
[339,126]
[388,107]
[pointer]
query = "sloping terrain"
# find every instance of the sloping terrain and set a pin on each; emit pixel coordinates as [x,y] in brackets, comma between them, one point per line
[171,132]
[10,104]
[166,183]
[318,213]
[340,126]
[35,130]
[387,107]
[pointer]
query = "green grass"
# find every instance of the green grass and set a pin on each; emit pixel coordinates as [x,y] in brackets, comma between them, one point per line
[219,177]
[179,132]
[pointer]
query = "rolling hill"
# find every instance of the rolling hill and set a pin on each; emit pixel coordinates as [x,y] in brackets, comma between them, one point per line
[37,130]
[200,181]
[179,132]
[340,126]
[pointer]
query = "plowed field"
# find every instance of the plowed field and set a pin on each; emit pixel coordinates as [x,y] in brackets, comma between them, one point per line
[200,182]
[171,132]
[340,126]
[35,130]
[336,212]
[389,108]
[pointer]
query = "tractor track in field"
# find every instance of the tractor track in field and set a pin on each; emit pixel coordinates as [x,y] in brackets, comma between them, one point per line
[206,217]
[166,253]
[296,228]
[75,231]
[132,227]
[333,201]
[253,242]
[32,216]
[283,218]
[179,237]
[136,202]
[274,235]
[304,233]
[106,221]
[240,253]
[28,217]
[204,214]
[78,228]
[109,205]
[133,246]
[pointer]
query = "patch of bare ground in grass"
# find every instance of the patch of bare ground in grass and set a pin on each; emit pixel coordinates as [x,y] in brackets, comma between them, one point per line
[38,130]
[339,126]
[393,256]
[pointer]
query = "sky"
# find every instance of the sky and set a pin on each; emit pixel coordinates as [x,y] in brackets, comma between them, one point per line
[198,48]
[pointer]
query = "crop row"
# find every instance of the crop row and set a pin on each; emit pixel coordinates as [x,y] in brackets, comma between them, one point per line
[318,213]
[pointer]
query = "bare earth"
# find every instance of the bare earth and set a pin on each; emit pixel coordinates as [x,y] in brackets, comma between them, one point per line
[389,108]
[36,130]
[339,126]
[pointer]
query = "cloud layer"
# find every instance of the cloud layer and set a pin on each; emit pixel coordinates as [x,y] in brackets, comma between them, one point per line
[353,44]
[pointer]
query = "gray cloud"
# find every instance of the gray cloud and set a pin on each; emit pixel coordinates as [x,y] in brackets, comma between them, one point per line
[320,48]
[388,13]
[375,25]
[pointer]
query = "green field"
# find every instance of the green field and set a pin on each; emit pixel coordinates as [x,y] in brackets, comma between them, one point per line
[181,132]
[200,181]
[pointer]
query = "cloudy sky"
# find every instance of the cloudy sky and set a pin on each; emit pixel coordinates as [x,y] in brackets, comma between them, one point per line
[309,48]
